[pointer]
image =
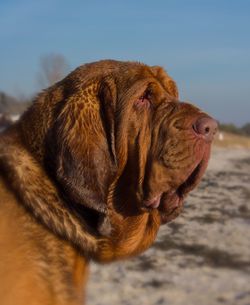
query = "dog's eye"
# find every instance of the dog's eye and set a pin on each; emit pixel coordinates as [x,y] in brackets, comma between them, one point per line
[145,99]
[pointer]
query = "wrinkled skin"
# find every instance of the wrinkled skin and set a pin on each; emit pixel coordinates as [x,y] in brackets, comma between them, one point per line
[104,157]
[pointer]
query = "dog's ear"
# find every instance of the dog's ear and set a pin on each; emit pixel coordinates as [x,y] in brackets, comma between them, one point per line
[31,185]
[80,147]
[167,82]
[108,98]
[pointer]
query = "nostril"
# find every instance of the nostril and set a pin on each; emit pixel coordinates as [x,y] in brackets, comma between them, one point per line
[206,126]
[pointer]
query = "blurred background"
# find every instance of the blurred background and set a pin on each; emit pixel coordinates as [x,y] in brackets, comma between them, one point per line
[204,256]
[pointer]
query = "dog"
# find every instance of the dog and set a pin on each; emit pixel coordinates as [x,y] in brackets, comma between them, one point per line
[91,170]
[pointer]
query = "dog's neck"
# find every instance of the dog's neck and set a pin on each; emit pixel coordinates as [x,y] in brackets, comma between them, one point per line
[38,194]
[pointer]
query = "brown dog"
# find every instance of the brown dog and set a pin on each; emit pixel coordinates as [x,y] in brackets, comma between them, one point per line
[90,171]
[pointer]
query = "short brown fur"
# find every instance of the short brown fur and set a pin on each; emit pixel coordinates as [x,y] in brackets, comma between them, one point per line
[76,170]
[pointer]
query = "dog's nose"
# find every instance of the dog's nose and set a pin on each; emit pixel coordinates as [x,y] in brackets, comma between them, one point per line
[207,127]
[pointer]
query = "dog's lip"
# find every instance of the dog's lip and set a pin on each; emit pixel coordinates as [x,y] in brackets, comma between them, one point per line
[170,202]
[153,202]
[164,201]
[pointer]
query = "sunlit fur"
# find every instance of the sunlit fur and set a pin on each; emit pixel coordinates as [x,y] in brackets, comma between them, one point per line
[76,169]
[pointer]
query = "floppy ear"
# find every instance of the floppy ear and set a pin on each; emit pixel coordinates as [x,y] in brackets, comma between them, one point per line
[38,194]
[167,82]
[82,142]
[108,97]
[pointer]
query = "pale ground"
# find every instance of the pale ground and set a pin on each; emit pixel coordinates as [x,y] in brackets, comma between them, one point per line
[202,258]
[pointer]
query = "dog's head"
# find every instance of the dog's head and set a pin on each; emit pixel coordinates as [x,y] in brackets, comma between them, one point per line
[119,145]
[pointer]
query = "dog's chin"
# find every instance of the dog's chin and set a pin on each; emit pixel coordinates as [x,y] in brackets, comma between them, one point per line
[170,203]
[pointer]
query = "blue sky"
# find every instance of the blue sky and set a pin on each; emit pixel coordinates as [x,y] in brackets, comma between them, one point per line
[204,45]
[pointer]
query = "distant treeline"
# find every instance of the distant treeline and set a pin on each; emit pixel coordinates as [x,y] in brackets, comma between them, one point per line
[53,67]
[12,106]
[244,130]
